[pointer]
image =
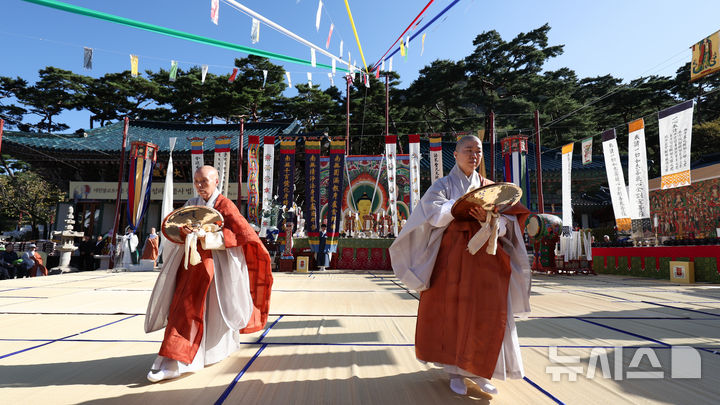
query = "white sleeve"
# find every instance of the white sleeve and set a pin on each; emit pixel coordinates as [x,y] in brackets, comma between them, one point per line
[213,241]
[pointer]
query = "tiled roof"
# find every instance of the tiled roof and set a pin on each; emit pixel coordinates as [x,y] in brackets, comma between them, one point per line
[109,138]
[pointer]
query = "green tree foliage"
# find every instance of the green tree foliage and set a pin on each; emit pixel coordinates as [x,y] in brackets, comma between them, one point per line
[57,90]
[9,89]
[28,195]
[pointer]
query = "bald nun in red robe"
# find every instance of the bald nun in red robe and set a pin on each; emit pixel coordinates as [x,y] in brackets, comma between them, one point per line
[468,299]
[205,306]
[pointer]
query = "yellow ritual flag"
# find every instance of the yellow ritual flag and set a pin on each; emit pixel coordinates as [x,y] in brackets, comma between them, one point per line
[705,57]
[134,65]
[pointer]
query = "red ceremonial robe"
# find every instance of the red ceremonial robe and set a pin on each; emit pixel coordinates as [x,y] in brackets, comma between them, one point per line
[184,329]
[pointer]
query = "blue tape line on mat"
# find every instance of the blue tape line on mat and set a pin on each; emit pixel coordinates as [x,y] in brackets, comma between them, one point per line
[265,332]
[66,337]
[539,388]
[625,332]
[15,289]
[237,378]
[683,309]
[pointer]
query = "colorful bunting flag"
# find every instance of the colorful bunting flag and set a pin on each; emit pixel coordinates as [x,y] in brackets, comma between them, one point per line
[390,68]
[422,46]
[377,73]
[327,43]
[134,65]
[214,11]
[332,80]
[313,61]
[333,66]
[341,50]
[287,76]
[382,65]
[87,58]
[173,70]
[203,73]
[586,146]
[255,31]
[402,49]
[309,76]
[317,16]
[233,75]
[675,125]
[265,72]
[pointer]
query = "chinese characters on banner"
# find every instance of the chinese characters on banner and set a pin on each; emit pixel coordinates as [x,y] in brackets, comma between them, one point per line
[253,147]
[567,152]
[222,162]
[196,155]
[616,181]
[335,193]
[267,183]
[286,189]
[675,126]
[638,196]
[312,191]
[705,57]
[390,148]
[414,150]
[436,163]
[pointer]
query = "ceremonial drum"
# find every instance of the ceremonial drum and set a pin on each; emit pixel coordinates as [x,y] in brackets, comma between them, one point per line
[540,225]
[544,232]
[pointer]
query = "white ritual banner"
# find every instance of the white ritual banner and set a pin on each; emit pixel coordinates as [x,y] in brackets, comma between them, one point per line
[567,152]
[267,184]
[675,126]
[436,160]
[638,194]
[390,158]
[222,162]
[414,150]
[616,181]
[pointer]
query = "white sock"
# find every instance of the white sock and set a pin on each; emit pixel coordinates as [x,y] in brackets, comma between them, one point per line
[484,385]
[457,384]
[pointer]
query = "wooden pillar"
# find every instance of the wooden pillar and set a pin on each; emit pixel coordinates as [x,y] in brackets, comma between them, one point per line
[121,172]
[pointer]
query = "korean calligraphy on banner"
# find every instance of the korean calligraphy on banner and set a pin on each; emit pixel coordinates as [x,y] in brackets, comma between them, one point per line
[414,150]
[312,191]
[267,184]
[675,126]
[286,189]
[639,198]
[436,161]
[616,181]
[222,162]
[197,159]
[335,194]
[567,152]
[390,148]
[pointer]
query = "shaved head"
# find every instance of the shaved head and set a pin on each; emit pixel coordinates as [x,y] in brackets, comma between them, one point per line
[465,139]
[206,180]
[468,154]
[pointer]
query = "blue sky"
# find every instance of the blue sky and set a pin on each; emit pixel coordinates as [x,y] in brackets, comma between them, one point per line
[627,38]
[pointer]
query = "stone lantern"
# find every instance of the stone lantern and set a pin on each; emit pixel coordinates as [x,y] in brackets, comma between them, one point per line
[67,244]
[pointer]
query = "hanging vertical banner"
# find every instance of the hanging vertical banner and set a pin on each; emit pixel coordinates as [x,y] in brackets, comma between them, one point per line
[255,31]
[331,78]
[222,162]
[265,73]
[616,181]
[318,15]
[197,159]
[286,189]
[253,147]
[391,162]
[514,152]
[173,70]
[675,126]
[422,46]
[313,60]
[327,43]
[414,150]
[390,68]
[638,194]
[87,58]
[214,11]
[167,201]
[341,50]
[382,65]
[134,65]
[233,75]
[333,66]
[267,184]
[203,73]
[567,152]
[586,147]
[705,57]
[143,156]
[312,192]
[309,76]
[335,193]
[436,163]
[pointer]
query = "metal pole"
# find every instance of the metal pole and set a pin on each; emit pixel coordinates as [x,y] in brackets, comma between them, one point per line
[538,164]
[492,145]
[347,114]
[240,163]
[116,223]
[387,106]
